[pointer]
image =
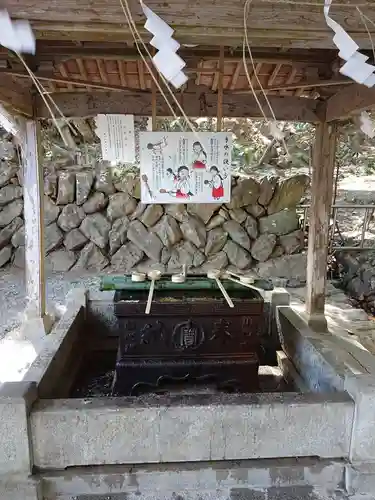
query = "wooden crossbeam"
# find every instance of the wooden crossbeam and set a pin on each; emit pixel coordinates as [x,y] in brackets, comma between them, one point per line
[353,99]
[139,103]
[15,97]
[270,22]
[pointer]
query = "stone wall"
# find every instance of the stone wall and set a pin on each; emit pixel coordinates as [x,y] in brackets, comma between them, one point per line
[94,220]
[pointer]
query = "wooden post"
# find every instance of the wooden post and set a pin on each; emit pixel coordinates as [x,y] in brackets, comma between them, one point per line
[220,90]
[34,223]
[323,167]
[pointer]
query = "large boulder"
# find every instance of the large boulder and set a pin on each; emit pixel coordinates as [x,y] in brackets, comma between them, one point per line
[287,266]
[238,214]
[53,237]
[60,261]
[168,231]
[18,238]
[84,181]
[128,183]
[267,188]
[217,261]
[216,221]
[10,212]
[96,229]
[178,211]
[251,226]
[292,242]
[7,233]
[237,255]
[71,217]
[203,210]
[246,192]
[75,240]
[10,193]
[51,211]
[141,207]
[126,257]
[91,258]
[145,240]
[66,188]
[237,233]
[288,193]
[104,181]
[194,231]
[151,215]
[255,210]
[185,253]
[5,255]
[120,204]
[263,247]
[19,258]
[50,185]
[216,239]
[7,171]
[279,223]
[95,203]
[117,234]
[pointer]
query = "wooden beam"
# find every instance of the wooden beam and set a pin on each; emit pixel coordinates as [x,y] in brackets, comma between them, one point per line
[235,76]
[200,102]
[323,167]
[270,22]
[14,97]
[34,223]
[220,92]
[353,99]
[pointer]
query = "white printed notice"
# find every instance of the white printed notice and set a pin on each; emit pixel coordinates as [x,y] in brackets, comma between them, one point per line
[179,167]
[116,134]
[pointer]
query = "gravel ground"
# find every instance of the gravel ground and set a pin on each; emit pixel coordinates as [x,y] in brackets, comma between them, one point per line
[13,299]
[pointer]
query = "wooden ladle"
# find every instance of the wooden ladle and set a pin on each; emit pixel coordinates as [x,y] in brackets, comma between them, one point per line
[215,275]
[153,276]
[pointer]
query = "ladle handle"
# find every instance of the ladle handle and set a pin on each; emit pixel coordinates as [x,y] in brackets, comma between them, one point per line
[224,292]
[233,274]
[239,282]
[150,296]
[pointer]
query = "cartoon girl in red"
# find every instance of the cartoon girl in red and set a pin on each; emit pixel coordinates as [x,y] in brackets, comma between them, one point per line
[216,183]
[199,156]
[182,183]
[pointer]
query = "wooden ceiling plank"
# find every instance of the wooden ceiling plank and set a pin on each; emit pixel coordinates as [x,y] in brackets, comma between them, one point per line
[120,65]
[83,105]
[141,75]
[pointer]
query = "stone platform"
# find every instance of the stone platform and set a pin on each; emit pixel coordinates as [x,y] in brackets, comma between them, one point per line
[241,447]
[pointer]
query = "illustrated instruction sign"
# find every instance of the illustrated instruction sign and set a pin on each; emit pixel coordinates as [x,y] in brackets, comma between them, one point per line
[185,167]
[116,134]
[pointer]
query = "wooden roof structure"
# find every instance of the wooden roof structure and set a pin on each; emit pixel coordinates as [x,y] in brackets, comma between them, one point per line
[87,60]
[86,57]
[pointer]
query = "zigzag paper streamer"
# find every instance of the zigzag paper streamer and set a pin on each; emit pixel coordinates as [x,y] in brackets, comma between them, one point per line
[356,66]
[16,35]
[367,125]
[166,60]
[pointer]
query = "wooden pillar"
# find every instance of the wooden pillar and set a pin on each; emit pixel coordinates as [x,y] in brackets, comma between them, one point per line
[34,222]
[323,167]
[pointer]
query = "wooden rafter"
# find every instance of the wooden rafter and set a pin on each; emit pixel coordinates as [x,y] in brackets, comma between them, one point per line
[235,76]
[121,72]
[82,70]
[274,74]
[64,73]
[102,71]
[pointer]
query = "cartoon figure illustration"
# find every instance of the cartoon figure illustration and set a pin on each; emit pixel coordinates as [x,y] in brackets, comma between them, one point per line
[158,147]
[199,156]
[181,183]
[216,183]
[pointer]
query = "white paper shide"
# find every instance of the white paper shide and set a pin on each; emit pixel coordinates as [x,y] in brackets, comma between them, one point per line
[116,134]
[185,167]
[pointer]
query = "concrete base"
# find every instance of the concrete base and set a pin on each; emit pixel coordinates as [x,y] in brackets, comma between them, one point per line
[98,438]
